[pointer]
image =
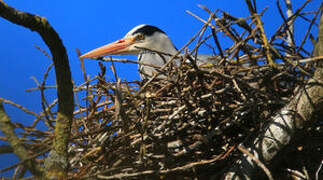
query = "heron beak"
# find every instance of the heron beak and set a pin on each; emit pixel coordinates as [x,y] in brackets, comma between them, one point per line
[115,48]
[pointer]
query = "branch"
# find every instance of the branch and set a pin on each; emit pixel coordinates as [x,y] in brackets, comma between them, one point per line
[15,143]
[290,30]
[57,167]
[296,115]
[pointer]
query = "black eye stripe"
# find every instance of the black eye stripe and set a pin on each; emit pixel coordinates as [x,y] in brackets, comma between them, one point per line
[148,30]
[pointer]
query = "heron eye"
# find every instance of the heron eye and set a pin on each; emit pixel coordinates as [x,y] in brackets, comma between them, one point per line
[140,37]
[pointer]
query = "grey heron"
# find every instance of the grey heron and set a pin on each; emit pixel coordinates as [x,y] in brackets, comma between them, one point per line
[136,42]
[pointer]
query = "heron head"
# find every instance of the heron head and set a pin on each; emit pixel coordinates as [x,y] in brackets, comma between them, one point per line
[139,38]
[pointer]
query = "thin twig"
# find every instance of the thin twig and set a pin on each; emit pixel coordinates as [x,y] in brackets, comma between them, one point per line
[258,162]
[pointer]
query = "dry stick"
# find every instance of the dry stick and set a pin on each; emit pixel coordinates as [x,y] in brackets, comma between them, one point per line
[50,106]
[232,30]
[283,25]
[318,170]
[311,59]
[18,148]
[199,44]
[94,106]
[80,110]
[237,40]
[2,100]
[222,27]
[36,81]
[290,38]
[5,149]
[44,103]
[44,109]
[265,41]
[239,90]
[205,22]
[254,5]
[37,88]
[257,161]
[290,24]
[296,174]
[215,38]
[10,167]
[32,157]
[200,41]
[226,31]
[309,28]
[81,114]
[200,38]
[85,80]
[241,43]
[289,61]
[198,143]
[241,21]
[42,87]
[119,112]
[19,172]
[150,172]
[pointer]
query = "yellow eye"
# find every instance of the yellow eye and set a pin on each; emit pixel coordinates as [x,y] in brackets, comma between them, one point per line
[140,37]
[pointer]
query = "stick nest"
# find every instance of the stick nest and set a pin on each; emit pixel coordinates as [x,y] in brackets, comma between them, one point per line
[193,119]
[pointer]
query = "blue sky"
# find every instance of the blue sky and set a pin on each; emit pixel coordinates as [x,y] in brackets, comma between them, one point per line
[89,24]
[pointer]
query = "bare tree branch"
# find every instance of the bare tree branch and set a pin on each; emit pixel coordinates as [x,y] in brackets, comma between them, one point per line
[58,166]
[290,31]
[18,148]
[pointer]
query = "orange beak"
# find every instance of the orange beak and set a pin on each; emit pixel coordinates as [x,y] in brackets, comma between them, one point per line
[116,48]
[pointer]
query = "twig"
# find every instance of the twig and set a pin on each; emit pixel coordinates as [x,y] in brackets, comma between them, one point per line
[318,170]
[149,172]
[2,100]
[290,24]
[257,161]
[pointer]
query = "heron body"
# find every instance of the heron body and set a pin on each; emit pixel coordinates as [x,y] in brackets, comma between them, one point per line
[142,41]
